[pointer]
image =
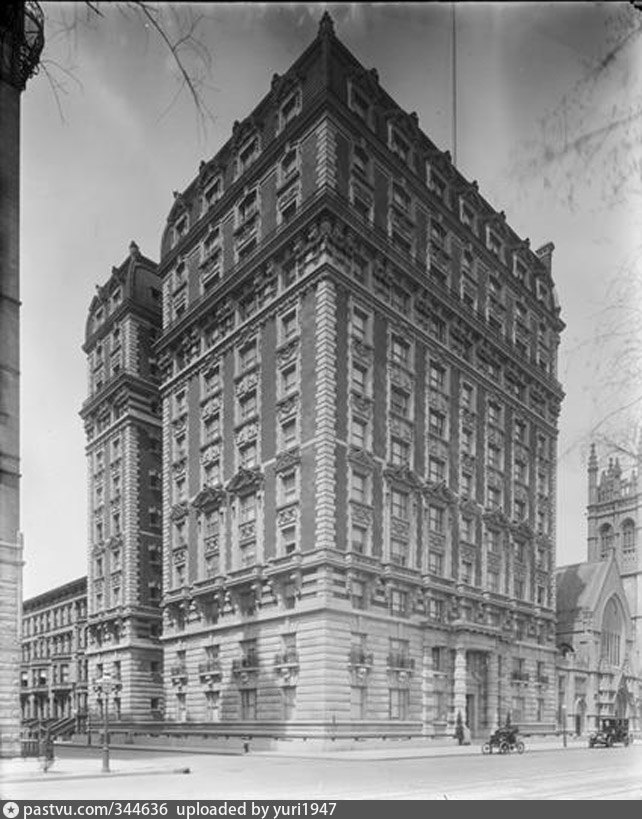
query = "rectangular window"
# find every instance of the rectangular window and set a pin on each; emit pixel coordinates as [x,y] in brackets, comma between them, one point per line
[467,530]
[359,539]
[437,423]
[359,488]
[435,563]
[359,324]
[399,552]
[359,378]
[247,406]
[437,377]
[436,470]
[289,433]
[399,504]
[288,487]
[288,540]
[248,356]
[399,452]
[400,402]
[358,433]
[247,508]
[289,325]
[290,108]
[289,380]
[436,519]
[400,351]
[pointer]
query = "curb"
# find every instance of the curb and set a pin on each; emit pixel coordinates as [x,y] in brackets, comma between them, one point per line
[39,776]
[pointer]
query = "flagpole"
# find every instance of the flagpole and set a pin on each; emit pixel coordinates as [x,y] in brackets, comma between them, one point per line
[454,83]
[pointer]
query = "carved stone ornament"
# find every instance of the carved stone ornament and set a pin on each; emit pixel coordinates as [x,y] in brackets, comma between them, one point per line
[361,404]
[404,475]
[400,377]
[179,426]
[286,460]
[399,528]
[360,514]
[246,434]
[179,468]
[247,383]
[438,491]
[287,353]
[401,429]
[522,529]
[288,516]
[211,407]
[287,407]
[179,554]
[360,457]
[361,350]
[179,511]
[469,506]
[210,454]
[245,479]
[496,517]
[209,498]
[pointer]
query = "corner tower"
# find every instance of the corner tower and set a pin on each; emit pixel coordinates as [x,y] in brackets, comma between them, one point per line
[122,423]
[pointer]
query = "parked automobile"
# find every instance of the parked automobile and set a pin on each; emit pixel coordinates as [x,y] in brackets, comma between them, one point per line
[611,731]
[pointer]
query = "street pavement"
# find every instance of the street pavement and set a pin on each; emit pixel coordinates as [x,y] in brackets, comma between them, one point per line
[399,771]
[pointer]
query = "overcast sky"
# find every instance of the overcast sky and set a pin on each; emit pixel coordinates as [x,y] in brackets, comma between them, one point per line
[533,80]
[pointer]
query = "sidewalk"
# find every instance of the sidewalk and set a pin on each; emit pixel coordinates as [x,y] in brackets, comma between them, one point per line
[30,770]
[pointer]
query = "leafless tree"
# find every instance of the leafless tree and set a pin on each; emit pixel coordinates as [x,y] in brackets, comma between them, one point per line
[175,26]
[593,136]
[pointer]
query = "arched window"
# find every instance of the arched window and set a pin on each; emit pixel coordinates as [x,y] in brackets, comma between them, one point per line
[606,539]
[628,536]
[612,632]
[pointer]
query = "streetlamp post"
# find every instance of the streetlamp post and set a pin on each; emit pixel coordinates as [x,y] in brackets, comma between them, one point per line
[564,723]
[104,686]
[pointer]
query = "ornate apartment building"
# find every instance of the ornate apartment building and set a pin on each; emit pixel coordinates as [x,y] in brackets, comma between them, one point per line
[122,422]
[359,410]
[599,606]
[54,667]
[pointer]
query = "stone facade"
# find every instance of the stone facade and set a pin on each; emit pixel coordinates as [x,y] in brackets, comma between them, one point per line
[122,421]
[53,676]
[359,403]
[21,43]
[597,673]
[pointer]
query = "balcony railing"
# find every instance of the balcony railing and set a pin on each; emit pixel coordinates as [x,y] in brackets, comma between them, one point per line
[542,679]
[358,656]
[520,676]
[178,672]
[289,657]
[249,662]
[400,660]
[211,668]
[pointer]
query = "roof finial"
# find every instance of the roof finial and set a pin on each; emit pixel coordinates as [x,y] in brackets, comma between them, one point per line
[134,251]
[326,25]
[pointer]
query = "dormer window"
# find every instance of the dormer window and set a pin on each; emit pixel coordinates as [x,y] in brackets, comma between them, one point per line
[437,185]
[290,108]
[247,155]
[180,228]
[289,165]
[401,198]
[494,244]
[248,207]
[466,215]
[361,161]
[399,145]
[519,270]
[359,103]
[212,243]
[212,193]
